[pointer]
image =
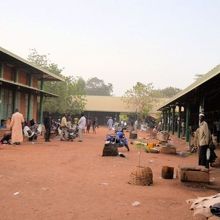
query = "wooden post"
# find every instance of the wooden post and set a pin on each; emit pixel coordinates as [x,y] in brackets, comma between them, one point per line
[187,123]
[169,118]
[179,121]
[41,103]
[40,117]
[1,70]
[165,120]
[173,118]
[28,106]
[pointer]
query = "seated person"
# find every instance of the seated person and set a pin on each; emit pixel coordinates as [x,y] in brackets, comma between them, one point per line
[29,134]
[6,138]
[121,139]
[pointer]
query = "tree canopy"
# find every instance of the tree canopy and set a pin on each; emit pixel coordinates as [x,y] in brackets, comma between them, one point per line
[95,86]
[141,97]
[167,92]
[71,91]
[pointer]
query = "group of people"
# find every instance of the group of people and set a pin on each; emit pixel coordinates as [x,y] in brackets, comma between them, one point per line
[65,125]
[18,128]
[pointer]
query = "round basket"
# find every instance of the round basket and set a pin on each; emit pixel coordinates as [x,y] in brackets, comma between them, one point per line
[141,176]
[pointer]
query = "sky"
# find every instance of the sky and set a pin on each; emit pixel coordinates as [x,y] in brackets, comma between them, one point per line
[164,42]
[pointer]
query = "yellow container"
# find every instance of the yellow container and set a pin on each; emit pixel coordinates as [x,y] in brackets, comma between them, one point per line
[151,145]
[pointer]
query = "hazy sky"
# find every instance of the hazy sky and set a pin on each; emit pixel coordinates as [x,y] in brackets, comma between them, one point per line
[164,42]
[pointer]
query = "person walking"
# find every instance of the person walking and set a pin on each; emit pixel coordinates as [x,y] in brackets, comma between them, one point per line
[81,126]
[203,140]
[17,120]
[47,125]
[63,126]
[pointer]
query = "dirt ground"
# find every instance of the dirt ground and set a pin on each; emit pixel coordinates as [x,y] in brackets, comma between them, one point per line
[71,180]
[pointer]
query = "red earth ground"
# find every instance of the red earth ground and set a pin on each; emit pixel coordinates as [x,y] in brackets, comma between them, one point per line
[71,180]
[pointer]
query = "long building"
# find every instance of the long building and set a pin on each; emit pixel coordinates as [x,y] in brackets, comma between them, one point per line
[104,106]
[22,86]
[181,113]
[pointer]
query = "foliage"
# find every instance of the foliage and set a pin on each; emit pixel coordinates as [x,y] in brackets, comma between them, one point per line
[167,92]
[71,96]
[141,97]
[43,61]
[71,91]
[140,146]
[123,117]
[95,86]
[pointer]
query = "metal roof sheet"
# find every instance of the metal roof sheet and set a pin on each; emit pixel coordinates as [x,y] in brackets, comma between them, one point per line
[212,73]
[47,75]
[115,104]
[27,87]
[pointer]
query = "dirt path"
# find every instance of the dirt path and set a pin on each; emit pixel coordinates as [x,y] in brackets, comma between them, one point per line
[70,180]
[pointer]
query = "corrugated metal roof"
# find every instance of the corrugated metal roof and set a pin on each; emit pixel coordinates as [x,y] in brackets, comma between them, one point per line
[212,73]
[48,75]
[28,88]
[107,104]
[115,104]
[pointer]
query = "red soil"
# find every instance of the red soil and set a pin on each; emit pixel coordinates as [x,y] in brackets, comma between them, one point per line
[71,180]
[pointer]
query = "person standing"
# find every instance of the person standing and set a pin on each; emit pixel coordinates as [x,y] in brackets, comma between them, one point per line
[110,123]
[16,126]
[203,140]
[81,126]
[136,126]
[63,126]
[94,126]
[88,125]
[47,125]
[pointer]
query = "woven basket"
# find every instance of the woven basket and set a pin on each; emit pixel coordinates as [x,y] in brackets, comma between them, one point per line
[141,176]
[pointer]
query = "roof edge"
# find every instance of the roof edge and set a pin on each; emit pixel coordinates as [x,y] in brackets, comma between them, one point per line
[213,72]
[31,64]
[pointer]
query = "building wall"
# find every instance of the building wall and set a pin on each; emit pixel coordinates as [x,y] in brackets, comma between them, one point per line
[34,82]
[21,97]
[23,104]
[22,77]
[7,72]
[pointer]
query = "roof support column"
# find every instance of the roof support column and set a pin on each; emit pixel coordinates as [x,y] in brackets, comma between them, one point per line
[169,119]
[162,120]
[179,121]
[13,100]
[1,105]
[28,106]
[14,91]
[1,70]
[1,110]
[187,122]
[40,114]
[42,84]
[202,104]
[165,119]
[173,118]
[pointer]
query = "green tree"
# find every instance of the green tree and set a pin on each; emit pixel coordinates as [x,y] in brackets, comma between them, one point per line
[95,86]
[167,92]
[140,96]
[70,92]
